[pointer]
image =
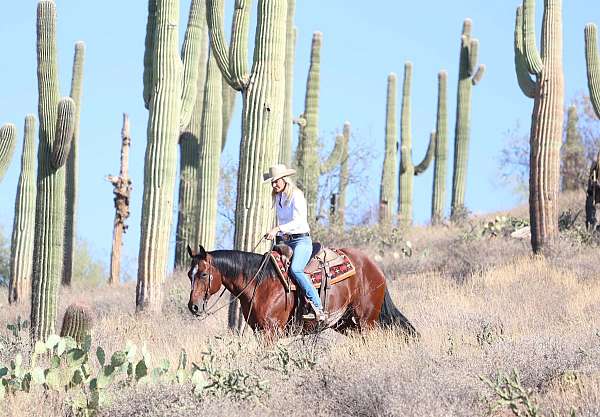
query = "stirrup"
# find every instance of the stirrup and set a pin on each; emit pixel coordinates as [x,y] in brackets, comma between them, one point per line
[317,314]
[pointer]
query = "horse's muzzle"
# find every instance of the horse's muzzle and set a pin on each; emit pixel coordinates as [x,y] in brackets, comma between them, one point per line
[195,309]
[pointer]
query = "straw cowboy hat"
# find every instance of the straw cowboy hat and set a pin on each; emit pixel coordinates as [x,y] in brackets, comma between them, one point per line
[276,172]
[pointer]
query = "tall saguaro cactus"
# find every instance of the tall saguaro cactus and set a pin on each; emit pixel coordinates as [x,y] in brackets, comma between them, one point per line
[21,253]
[263,88]
[440,168]
[170,88]
[389,173]
[285,153]
[210,155]
[72,167]
[547,119]
[308,164]
[57,120]
[189,142]
[574,163]
[8,141]
[593,65]
[469,74]
[407,167]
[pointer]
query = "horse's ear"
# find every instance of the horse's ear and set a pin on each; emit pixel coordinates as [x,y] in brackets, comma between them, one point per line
[190,252]
[201,252]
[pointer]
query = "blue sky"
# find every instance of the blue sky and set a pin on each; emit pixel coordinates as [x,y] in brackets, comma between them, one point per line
[363,42]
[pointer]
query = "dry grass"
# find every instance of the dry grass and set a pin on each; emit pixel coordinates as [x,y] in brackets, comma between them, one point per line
[482,305]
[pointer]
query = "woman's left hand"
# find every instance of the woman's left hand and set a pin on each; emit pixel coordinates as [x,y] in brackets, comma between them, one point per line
[270,235]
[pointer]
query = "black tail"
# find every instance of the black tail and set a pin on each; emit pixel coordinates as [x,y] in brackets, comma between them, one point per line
[391,317]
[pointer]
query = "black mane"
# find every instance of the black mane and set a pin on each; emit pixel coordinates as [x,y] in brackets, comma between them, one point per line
[232,263]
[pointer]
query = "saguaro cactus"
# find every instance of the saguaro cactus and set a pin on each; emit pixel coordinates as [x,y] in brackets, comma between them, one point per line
[57,119]
[210,155]
[389,173]
[263,89]
[285,154]
[440,167]
[469,74]
[574,163]
[189,142]
[339,214]
[170,88]
[407,167]
[593,65]
[122,191]
[21,253]
[308,164]
[8,141]
[72,167]
[77,322]
[547,119]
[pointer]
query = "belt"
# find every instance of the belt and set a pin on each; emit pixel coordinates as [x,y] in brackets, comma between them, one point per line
[287,236]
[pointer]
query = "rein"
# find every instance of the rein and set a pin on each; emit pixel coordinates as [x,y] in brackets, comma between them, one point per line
[209,313]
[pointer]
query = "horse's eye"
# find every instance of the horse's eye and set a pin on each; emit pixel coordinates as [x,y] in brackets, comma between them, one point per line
[204,274]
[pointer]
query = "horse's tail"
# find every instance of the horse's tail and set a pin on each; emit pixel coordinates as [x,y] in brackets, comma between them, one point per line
[390,316]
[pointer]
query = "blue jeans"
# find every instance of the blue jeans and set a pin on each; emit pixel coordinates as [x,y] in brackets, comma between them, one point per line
[302,250]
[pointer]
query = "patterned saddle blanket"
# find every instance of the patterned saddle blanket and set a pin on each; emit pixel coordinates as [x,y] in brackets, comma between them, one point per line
[333,264]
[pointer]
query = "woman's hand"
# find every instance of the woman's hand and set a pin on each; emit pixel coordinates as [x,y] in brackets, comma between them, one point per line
[270,235]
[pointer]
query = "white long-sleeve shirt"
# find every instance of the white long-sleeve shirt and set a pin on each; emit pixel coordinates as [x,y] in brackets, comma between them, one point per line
[292,214]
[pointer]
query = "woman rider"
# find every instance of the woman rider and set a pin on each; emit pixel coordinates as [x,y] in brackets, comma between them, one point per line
[292,227]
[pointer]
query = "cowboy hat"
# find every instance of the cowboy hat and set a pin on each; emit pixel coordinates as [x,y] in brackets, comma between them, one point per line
[276,172]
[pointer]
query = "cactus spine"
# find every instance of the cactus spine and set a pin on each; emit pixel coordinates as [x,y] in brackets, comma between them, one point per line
[170,88]
[189,142]
[210,154]
[57,118]
[547,118]
[72,167]
[285,154]
[77,322]
[21,254]
[593,65]
[440,167]
[407,168]
[8,142]
[388,189]
[469,74]
[263,89]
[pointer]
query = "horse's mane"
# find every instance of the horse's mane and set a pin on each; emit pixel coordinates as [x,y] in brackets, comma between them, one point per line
[232,263]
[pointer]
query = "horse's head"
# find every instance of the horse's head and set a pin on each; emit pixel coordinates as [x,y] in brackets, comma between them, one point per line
[205,280]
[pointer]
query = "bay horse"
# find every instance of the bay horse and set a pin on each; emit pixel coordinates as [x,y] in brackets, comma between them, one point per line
[359,302]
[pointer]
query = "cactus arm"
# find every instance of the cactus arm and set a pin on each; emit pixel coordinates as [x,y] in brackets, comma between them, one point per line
[8,141]
[478,74]
[149,47]
[441,152]
[190,56]
[593,65]
[285,152]
[229,97]
[65,125]
[335,156]
[215,11]
[528,86]
[531,53]
[422,167]
[238,51]
[473,56]
[72,165]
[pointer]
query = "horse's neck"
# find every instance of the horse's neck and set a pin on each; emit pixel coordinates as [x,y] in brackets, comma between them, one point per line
[237,286]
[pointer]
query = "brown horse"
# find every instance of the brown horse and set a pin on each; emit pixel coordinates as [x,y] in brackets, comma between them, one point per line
[358,302]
